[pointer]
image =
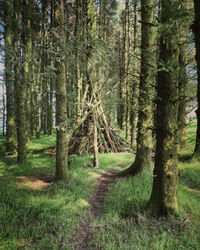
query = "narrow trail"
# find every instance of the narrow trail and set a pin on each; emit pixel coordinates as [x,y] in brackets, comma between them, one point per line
[83,234]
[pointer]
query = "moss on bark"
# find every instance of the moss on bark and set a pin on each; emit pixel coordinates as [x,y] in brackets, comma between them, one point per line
[61,142]
[165,176]
[144,135]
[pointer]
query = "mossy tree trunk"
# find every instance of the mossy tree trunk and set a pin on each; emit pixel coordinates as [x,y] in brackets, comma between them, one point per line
[127,68]
[27,36]
[95,142]
[196,31]
[4,113]
[183,80]
[10,121]
[163,198]
[60,81]
[134,84]
[144,136]
[183,77]
[20,87]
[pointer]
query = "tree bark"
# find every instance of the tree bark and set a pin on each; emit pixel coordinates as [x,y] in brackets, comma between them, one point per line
[196,31]
[10,121]
[163,198]
[144,136]
[61,143]
[96,161]
[134,84]
[20,89]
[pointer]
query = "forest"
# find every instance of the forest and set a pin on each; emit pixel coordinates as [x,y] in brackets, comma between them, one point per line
[100,124]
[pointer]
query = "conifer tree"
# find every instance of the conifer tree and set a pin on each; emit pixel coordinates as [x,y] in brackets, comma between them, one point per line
[144,135]
[10,120]
[60,81]
[163,198]
[196,30]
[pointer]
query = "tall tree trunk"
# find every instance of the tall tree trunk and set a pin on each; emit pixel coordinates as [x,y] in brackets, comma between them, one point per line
[96,161]
[134,84]
[4,113]
[183,80]
[144,136]
[163,198]
[126,66]
[27,62]
[10,121]
[20,90]
[61,143]
[196,31]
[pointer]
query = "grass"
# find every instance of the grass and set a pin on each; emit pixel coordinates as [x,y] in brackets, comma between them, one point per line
[33,216]
[38,216]
[124,224]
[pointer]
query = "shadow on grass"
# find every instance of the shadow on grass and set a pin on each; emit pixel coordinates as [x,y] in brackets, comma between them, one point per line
[29,214]
[185,157]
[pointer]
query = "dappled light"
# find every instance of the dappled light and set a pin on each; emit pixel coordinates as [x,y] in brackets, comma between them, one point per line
[34,182]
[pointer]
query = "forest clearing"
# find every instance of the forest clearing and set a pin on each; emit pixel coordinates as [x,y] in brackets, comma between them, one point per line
[100,124]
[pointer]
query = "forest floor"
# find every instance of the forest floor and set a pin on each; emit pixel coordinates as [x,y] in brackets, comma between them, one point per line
[83,234]
[92,210]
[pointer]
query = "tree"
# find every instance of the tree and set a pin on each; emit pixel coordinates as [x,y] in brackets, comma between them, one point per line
[10,120]
[163,198]
[183,76]
[134,84]
[61,143]
[143,157]
[20,85]
[196,30]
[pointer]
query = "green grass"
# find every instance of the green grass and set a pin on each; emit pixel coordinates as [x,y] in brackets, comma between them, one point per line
[124,224]
[32,217]
[35,218]
[44,142]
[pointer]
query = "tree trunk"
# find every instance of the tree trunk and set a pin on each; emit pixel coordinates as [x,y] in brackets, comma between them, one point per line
[196,31]
[10,121]
[134,84]
[61,143]
[20,90]
[4,113]
[126,68]
[144,136]
[183,80]
[96,161]
[163,198]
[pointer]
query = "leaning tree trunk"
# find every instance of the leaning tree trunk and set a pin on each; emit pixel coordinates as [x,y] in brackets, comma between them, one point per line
[196,31]
[163,198]
[144,136]
[61,143]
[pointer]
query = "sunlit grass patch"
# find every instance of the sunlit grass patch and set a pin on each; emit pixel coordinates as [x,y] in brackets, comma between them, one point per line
[44,142]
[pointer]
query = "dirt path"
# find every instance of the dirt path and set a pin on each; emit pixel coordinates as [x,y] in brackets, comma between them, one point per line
[83,234]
